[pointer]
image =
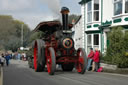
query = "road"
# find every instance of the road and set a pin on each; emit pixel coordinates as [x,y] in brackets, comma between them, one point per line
[18,73]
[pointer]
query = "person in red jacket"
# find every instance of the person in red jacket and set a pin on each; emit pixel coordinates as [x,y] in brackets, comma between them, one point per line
[90,58]
[96,59]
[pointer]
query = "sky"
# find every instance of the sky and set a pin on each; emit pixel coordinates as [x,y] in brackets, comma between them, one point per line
[32,12]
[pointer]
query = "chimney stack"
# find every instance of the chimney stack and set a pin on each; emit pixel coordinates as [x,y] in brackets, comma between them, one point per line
[65,11]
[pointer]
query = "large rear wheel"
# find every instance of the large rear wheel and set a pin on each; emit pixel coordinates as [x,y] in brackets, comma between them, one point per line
[51,61]
[39,58]
[82,61]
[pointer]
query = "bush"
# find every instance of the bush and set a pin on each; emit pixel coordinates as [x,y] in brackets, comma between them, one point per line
[118,46]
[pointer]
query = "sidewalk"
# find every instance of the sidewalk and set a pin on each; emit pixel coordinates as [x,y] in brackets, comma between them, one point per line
[1,75]
[113,69]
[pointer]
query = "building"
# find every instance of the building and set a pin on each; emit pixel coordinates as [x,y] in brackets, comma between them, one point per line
[98,16]
[78,34]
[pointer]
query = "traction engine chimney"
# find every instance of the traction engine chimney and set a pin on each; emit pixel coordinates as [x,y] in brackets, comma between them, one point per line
[65,11]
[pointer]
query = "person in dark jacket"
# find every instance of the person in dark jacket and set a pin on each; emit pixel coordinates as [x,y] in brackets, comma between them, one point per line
[7,57]
[90,58]
[96,59]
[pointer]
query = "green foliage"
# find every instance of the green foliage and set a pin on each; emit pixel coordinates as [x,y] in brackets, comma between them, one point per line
[10,33]
[118,46]
[36,35]
[126,40]
[33,37]
[13,44]
[29,53]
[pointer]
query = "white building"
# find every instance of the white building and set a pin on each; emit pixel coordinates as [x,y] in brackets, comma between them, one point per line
[97,18]
[78,34]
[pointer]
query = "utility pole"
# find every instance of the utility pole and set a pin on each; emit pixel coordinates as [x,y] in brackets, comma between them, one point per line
[22,36]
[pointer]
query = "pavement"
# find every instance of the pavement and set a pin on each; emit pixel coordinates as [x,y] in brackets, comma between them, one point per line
[1,75]
[18,73]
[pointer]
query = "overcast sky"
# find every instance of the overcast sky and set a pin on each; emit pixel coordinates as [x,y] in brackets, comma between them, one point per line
[34,11]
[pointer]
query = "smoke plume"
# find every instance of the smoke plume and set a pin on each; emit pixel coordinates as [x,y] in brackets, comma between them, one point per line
[54,6]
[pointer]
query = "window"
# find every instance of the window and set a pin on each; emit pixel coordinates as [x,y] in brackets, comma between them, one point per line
[89,6]
[96,39]
[89,11]
[92,41]
[96,10]
[89,16]
[117,7]
[89,43]
[93,13]
[126,6]
[89,39]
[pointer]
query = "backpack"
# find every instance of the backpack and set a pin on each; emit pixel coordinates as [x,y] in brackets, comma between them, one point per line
[100,69]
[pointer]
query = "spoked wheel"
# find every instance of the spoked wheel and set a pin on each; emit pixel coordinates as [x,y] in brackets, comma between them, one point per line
[38,58]
[51,61]
[82,61]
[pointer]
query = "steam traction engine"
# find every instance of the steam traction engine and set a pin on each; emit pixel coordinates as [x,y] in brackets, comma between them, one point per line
[57,47]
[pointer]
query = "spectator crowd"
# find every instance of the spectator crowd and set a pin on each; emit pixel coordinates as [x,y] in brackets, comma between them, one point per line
[5,57]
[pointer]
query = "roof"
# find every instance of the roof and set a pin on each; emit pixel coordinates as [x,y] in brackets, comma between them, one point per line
[78,19]
[48,26]
[84,1]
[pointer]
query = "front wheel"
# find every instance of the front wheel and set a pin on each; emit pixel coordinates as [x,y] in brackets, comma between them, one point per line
[82,61]
[51,61]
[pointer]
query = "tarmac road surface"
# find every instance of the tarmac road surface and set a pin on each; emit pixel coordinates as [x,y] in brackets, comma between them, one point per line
[18,73]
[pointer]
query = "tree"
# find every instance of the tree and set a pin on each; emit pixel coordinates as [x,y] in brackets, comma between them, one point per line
[13,44]
[10,33]
[126,40]
[117,48]
[36,35]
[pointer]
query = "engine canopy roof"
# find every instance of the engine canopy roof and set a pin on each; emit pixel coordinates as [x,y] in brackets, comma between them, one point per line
[48,26]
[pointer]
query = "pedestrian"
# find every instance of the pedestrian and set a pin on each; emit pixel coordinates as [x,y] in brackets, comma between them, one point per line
[100,55]
[96,60]
[7,57]
[2,59]
[24,56]
[90,58]
[18,56]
